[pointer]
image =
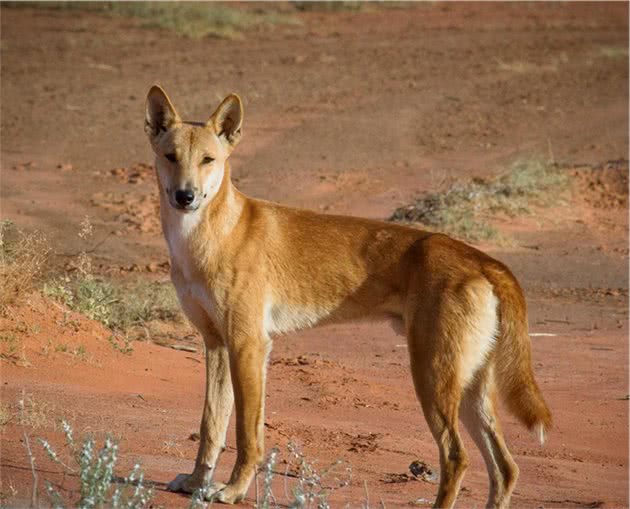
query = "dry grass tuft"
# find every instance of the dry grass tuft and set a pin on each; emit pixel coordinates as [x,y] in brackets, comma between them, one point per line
[614,51]
[34,414]
[523,67]
[5,414]
[463,209]
[11,350]
[22,259]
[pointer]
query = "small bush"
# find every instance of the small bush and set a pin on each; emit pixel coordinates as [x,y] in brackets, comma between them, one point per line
[33,413]
[461,210]
[22,259]
[116,306]
[99,488]
[312,486]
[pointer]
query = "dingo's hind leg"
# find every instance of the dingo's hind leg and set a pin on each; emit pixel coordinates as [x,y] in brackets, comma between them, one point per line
[478,413]
[439,391]
[451,333]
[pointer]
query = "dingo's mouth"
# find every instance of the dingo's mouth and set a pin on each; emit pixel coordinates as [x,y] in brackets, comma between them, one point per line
[184,208]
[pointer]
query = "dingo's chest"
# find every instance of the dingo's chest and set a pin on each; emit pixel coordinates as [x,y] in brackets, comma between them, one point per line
[194,296]
[193,292]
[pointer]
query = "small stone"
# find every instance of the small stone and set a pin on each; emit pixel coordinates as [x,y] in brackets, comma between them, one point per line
[423,471]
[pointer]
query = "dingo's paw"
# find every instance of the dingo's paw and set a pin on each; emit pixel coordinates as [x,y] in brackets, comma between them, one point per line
[212,490]
[228,495]
[189,483]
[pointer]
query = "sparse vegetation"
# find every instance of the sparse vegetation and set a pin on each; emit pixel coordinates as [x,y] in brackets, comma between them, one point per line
[10,350]
[5,414]
[189,19]
[78,351]
[463,209]
[9,345]
[62,348]
[7,492]
[99,487]
[116,306]
[330,6]
[22,259]
[614,51]
[34,413]
[121,343]
[354,5]
[129,309]
[522,67]
[312,487]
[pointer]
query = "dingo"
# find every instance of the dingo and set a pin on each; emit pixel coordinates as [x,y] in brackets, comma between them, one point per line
[247,269]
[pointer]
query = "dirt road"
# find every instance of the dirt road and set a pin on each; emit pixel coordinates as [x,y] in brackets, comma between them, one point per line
[345,112]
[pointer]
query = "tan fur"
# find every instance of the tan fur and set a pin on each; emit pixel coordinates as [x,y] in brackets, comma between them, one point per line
[245,269]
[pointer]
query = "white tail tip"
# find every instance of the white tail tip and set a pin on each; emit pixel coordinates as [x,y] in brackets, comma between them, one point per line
[539,431]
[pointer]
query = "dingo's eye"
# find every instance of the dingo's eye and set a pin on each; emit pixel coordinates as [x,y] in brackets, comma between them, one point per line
[171,157]
[207,160]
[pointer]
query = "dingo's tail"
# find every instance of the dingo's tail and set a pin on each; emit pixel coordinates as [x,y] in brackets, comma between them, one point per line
[513,361]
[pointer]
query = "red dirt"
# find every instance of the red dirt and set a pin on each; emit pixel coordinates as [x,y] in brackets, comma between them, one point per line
[419,97]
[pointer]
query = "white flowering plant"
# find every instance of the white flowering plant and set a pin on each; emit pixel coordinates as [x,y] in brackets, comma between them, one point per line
[99,487]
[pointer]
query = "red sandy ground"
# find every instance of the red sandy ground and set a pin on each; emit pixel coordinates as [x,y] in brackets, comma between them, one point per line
[351,112]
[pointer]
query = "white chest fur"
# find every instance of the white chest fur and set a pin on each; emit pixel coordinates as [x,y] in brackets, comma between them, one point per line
[193,294]
[199,304]
[179,229]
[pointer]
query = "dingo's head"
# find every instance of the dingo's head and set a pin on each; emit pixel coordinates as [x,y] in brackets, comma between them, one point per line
[191,156]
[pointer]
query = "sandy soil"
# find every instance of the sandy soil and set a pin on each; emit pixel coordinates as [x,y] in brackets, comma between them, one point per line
[350,112]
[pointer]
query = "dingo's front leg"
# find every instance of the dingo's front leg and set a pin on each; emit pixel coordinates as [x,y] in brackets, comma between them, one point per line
[248,358]
[216,411]
[216,415]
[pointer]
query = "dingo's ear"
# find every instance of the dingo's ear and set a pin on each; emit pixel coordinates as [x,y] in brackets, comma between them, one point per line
[228,119]
[160,114]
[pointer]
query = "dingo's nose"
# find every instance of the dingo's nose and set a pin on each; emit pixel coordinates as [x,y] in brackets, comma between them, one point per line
[184,197]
